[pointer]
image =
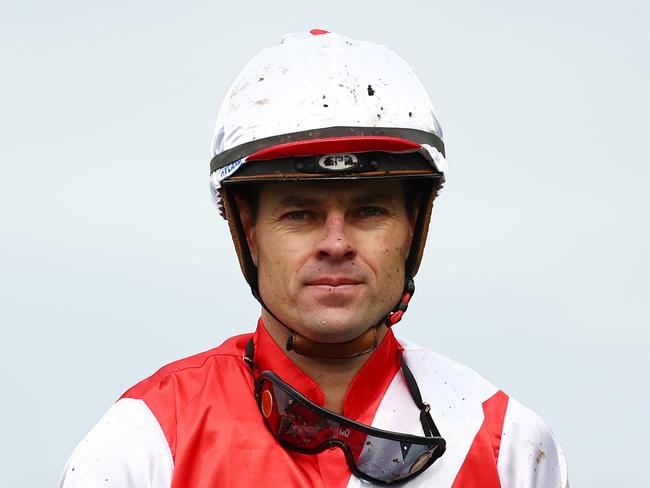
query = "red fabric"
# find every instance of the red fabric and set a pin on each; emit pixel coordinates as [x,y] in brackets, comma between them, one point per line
[331,145]
[367,389]
[207,410]
[479,470]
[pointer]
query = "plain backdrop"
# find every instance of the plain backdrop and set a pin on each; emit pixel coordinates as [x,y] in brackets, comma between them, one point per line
[113,261]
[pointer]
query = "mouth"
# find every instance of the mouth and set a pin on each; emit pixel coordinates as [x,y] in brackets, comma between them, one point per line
[333,291]
[333,282]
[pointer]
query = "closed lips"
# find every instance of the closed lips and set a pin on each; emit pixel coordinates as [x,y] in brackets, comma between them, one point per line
[333,282]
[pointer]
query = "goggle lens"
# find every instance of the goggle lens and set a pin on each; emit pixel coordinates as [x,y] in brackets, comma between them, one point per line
[298,426]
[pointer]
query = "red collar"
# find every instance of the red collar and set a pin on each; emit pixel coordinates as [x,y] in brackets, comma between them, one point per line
[366,389]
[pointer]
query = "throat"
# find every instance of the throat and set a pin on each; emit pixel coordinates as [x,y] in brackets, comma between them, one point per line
[333,376]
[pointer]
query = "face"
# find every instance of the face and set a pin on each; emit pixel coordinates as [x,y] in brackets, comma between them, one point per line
[330,255]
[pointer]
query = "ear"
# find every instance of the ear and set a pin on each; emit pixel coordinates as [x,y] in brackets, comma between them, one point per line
[249,227]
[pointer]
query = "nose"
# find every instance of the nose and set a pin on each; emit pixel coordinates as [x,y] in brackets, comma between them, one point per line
[336,243]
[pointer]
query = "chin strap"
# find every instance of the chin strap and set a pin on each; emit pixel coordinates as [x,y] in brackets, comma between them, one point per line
[358,346]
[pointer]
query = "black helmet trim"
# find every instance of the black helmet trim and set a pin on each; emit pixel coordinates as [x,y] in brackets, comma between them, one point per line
[339,166]
[296,143]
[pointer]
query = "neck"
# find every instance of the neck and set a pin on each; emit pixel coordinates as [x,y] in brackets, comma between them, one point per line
[333,376]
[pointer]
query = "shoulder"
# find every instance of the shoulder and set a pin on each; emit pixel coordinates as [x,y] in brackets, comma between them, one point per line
[126,448]
[192,383]
[445,374]
[530,453]
[484,425]
[134,443]
[188,367]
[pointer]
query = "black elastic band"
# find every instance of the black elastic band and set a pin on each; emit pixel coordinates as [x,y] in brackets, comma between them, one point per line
[428,425]
[236,153]
[249,353]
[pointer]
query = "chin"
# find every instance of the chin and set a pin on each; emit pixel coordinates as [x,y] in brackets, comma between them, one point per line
[334,329]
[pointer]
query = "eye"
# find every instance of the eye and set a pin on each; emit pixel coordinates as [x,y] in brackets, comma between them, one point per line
[298,215]
[369,212]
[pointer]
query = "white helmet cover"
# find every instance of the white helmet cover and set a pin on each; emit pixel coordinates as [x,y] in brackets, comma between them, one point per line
[310,82]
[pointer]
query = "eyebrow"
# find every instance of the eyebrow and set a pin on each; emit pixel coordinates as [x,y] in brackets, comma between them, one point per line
[296,201]
[373,197]
[299,201]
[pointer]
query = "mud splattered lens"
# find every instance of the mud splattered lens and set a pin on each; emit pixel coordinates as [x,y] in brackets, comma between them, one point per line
[372,454]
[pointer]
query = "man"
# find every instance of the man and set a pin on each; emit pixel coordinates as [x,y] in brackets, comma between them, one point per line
[327,159]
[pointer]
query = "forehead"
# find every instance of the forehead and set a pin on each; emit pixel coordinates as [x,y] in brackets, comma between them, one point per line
[388,191]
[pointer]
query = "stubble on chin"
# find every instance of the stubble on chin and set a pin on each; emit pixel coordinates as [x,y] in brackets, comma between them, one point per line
[333,326]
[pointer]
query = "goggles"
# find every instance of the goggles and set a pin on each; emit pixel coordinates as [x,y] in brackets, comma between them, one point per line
[372,454]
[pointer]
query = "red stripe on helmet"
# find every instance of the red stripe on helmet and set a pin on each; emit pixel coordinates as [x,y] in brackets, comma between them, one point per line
[332,145]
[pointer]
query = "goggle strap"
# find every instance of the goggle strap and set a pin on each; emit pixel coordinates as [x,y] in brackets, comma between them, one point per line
[249,352]
[428,425]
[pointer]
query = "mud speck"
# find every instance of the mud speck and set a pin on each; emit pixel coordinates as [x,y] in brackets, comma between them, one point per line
[410,114]
[262,101]
[261,78]
[325,105]
[540,456]
[371,92]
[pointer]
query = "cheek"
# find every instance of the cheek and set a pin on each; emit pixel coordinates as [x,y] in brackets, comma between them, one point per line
[387,256]
[279,261]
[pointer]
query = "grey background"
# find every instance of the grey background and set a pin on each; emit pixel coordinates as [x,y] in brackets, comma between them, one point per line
[113,262]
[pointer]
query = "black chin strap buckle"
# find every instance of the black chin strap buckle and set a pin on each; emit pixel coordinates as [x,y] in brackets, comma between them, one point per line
[396,315]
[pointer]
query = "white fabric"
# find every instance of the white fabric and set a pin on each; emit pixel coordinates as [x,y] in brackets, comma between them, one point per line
[530,454]
[435,157]
[317,81]
[126,449]
[455,394]
[218,176]
[285,89]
